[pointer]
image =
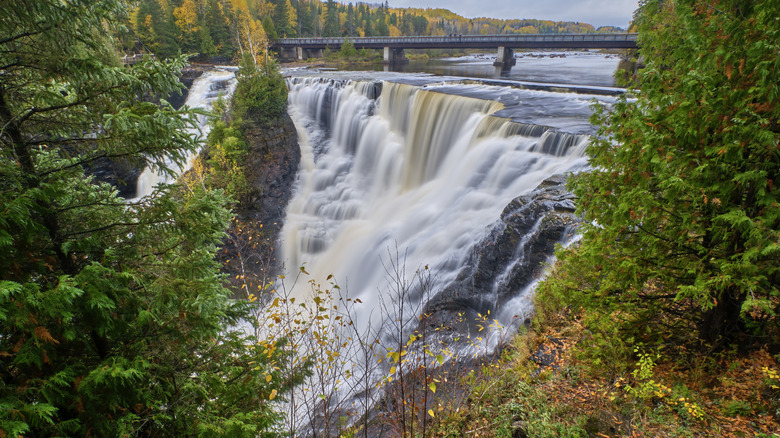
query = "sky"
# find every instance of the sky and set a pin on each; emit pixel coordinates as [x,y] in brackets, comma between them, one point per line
[595,12]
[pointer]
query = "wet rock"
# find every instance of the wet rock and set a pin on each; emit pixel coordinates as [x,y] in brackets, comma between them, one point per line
[188,76]
[122,174]
[518,430]
[548,355]
[273,158]
[513,255]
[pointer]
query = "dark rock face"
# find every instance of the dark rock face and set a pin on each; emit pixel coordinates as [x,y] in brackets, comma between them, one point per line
[273,157]
[513,255]
[188,76]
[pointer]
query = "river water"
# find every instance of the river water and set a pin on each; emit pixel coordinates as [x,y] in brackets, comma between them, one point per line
[422,162]
[591,68]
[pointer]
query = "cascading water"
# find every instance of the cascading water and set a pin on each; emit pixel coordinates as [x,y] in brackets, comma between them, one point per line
[204,91]
[387,165]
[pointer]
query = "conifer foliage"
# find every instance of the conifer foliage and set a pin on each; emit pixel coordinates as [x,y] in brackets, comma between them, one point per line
[113,317]
[681,208]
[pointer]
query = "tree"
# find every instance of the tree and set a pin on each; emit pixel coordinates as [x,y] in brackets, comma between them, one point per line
[285,19]
[348,49]
[681,208]
[269,28]
[260,92]
[306,14]
[113,318]
[332,24]
[156,29]
[187,22]
[219,17]
[251,38]
[350,29]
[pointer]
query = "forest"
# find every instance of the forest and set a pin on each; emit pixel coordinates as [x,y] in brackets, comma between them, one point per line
[209,27]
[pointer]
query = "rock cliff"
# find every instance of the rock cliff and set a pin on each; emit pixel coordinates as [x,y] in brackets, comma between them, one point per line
[272,165]
[512,256]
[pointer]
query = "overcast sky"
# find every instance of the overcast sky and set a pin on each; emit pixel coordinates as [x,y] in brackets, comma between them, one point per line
[595,12]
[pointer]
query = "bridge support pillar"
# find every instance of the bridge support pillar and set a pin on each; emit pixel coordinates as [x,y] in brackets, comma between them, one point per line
[312,53]
[288,53]
[505,57]
[394,56]
[299,53]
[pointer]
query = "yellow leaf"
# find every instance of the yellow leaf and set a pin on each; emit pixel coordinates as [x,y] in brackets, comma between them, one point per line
[273,395]
[431,413]
[268,377]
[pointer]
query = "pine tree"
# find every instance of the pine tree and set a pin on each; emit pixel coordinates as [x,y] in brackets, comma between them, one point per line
[350,29]
[113,318]
[306,14]
[681,207]
[332,25]
[285,19]
[219,15]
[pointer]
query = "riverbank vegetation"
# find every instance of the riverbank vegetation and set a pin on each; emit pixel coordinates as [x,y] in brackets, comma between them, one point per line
[663,320]
[114,319]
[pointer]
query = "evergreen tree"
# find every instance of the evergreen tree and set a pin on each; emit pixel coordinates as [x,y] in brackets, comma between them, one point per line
[350,29]
[113,317]
[157,30]
[219,15]
[682,221]
[188,23]
[381,23]
[332,25]
[269,28]
[285,19]
[306,14]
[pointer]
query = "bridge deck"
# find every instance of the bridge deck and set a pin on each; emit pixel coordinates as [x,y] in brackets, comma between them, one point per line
[536,41]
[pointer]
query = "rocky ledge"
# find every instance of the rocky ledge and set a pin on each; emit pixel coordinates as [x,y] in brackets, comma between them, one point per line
[512,257]
[272,164]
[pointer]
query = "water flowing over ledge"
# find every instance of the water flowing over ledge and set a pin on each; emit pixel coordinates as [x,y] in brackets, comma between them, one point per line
[204,91]
[388,165]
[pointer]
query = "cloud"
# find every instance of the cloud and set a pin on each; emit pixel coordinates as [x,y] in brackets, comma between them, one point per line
[595,12]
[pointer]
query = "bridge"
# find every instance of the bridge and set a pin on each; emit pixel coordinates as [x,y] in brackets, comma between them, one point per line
[302,48]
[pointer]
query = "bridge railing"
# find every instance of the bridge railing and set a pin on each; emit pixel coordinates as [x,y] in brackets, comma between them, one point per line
[459,39]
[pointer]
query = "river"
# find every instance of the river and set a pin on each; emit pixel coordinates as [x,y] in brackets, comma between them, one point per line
[591,68]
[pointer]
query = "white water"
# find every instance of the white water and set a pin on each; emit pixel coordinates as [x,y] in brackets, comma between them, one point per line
[426,172]
[204,91]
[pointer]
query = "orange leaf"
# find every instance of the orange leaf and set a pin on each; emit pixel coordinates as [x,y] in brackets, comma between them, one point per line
[43,334]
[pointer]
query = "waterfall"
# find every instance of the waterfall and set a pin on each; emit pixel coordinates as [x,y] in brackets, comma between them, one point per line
[204,91]
[388,165]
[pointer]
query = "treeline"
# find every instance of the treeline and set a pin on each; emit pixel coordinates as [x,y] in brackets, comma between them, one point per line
[211,28]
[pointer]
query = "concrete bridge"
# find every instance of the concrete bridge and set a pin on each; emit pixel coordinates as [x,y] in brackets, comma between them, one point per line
[393,47]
